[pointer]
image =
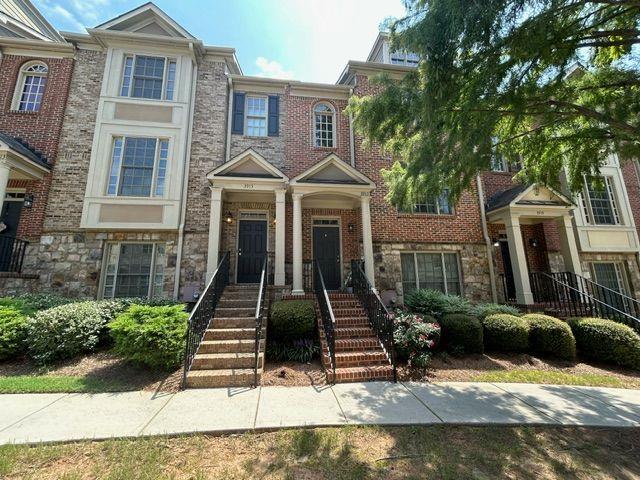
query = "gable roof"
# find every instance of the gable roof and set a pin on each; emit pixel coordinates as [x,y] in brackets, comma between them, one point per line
[148,19]
[21,19]
[24,149]
[333,170]
[527,195]
[248,164]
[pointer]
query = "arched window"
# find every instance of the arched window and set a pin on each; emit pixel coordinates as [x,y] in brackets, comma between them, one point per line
[30,87]
[324,120]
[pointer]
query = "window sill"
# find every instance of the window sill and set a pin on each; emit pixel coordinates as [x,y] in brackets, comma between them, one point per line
[324,148]
[423,215]
[25,112]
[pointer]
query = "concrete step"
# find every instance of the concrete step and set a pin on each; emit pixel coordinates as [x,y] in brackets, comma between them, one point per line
[353,332]
[222,312]
[236,377]
[229,346]
[233,322]
[361,374]
[357,344]
[362,358]
[215,361]
[237,303]
[230,334]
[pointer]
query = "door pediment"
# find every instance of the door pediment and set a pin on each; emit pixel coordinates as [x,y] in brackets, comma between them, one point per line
[248,164]
[332,170]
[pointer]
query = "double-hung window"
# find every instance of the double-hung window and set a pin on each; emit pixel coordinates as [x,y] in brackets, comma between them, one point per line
[144,76]
[612,276]
[401,57]
[256,116]
[134,270]
[138,167]
[439,205]
[432,271]
[31,83]
[324,117]
[599,202]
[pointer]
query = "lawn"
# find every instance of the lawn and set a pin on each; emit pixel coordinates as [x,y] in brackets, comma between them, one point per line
[443,452]
[550,377]
[59,384]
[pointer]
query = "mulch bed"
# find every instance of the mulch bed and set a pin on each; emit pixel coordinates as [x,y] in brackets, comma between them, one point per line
[291,374]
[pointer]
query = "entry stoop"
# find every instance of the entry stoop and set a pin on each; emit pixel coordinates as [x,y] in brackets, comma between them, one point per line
[226,355]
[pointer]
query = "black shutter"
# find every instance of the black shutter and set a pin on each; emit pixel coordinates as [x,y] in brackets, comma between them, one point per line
[238,113]
[274,115]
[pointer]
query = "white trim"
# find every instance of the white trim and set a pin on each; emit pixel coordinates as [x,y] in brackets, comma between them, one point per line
[239,159]
[163,17]
[334,126]
[20,84]
[457,254]
[246,115]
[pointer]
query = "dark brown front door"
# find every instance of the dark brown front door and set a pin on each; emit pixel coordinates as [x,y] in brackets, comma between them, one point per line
[252,250]
[508,271]
[326,249]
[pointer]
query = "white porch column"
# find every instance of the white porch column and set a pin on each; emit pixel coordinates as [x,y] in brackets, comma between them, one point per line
[215,224]
[4,180]
[568,245]
[367,242]
[279,276]
[297,245]
[518,260]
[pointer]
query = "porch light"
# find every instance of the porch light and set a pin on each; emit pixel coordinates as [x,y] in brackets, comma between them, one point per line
[28,201]
[229,217]
[533,242]
[351,227]
[496,242]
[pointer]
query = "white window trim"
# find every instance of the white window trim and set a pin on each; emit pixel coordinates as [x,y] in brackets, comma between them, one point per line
[105,265]
[156,166]
[246,115]
[19,86]
[163,98]
[613,198]
[621,275]
[444,271]
[334,131]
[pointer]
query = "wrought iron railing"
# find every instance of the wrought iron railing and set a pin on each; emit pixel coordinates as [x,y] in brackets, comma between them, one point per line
[307,275]
[202,313]
[379,318]
[264,280]
[326,313]
[12,252]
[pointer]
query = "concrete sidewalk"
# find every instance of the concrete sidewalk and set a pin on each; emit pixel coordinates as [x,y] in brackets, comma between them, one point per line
[64,417]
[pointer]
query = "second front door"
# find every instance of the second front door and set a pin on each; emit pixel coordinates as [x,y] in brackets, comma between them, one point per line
[252,250]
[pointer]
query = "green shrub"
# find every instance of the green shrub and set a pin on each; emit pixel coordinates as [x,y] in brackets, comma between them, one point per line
[301,351]
[461,333]
[17,304]
[505,333]
[550,337]
[415,337]
[483,310]
[65,331]
[151,335]
[606,341]
[44,301]
[435,303]
[292,320]
[13,331]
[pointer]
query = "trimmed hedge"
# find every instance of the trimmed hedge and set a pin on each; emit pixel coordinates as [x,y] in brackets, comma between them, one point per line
[435,303]
[462,333]
[483,310]
[13,331]
[550,337]
[153,336]
[505,333]
[291,320]
[606,341]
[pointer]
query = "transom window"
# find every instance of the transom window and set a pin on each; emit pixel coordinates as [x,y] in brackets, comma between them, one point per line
[134,270]
[148,77]
[138,167]
[433,271]
[256,116]
[599,202]
[324,128]
[30,89]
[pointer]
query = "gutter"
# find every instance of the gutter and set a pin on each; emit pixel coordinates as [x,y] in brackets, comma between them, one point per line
[185,178]
[487,240]
[227,149]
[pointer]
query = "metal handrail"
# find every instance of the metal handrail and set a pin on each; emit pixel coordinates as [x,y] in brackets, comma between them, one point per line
[202,313]
[379,318]
[12,251]
[258,317]
[326,313]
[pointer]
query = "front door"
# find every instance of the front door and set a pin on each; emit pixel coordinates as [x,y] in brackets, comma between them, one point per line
[508,271]
[252,250]
[10,218]
[326,249]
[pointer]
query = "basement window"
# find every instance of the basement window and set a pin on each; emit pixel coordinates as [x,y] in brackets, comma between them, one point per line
[433,271]
[134,270]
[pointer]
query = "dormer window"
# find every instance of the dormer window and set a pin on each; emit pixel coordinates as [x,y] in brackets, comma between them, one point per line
[404,58]
[144,76]
[30,87]
[324,125]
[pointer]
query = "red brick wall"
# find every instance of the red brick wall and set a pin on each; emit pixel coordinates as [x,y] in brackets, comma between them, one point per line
[632,183]
[40,129]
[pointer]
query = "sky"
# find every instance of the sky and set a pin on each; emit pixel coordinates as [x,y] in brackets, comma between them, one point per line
[308,40]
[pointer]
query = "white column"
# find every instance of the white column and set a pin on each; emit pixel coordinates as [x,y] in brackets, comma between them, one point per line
[367,242]
[568,245]
[279,277]
[215,225]
[518,260]
[297,244]
[4,180]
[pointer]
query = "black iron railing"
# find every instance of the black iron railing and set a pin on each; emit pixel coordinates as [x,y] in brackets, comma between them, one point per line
[379,318]
[307,275]
[12,252]
[202,313]
[264,280]
[326,312]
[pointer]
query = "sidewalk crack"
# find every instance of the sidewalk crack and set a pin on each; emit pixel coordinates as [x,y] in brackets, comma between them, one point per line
[36,411]
[424,404]
[155,414]
[346,419]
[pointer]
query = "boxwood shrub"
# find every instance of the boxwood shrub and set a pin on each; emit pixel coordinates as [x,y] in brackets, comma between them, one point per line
[151,335]
[435,303]
[291,320]
[483,310]
[550,337]
[13,331]
[505,333]
[461,333]
[606,341]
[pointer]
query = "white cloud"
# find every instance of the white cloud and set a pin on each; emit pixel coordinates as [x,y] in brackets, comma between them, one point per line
[272,69]
[76,14]
[57,10]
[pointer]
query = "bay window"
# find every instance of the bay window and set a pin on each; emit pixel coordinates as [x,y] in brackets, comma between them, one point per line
[148,77]
[134,270]
[432,271]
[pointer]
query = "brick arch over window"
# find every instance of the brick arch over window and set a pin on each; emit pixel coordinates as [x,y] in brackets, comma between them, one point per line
[30,86]
[324,124]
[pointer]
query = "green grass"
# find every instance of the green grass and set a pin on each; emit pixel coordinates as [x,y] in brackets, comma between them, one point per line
[57,384]
[550,377]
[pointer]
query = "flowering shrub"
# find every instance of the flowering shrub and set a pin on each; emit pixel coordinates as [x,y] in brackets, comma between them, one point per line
[415,337]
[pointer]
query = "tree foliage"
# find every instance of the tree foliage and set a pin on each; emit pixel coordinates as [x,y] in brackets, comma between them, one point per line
[500,76]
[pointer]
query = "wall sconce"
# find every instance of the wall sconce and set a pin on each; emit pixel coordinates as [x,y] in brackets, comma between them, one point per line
[533,242]
[496,242]
[28,201]
[351,227]
[229,217]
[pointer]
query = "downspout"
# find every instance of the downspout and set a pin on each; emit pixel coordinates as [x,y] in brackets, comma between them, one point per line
[227,149]
[487,240]
[352,146]
[185,175]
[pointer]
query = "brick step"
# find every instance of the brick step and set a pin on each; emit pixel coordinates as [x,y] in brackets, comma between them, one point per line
[233,322]
[229,333]
[242,286]
[216,361]
[345,304]
[342,296]
[239,295]
[236,377]
[357,344]
[222,312]
[237,303]
[229,346]
[348,312]
[353,332]
[361,374]
[352,322]
[362,358]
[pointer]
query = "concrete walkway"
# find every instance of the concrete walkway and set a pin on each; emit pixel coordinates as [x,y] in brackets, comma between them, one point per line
[63,417]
